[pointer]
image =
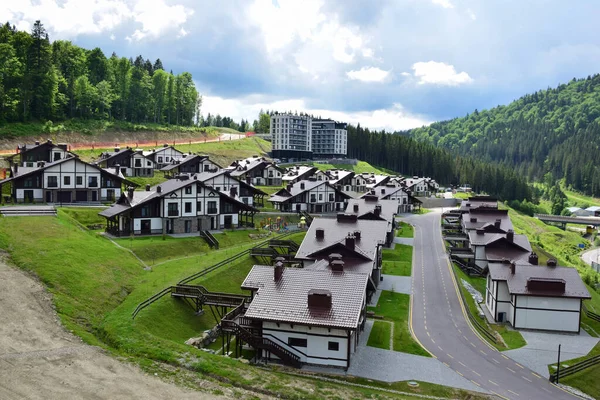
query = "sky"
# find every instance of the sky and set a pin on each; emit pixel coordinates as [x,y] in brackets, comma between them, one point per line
[391,65]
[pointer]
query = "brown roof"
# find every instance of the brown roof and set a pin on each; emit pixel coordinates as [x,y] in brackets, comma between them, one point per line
[287,299]
[486,219]
[335,231]
[389,208]
[474,202]
[521,281]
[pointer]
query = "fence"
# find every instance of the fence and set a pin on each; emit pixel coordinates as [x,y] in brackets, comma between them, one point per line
[474,320]
[590,314]
[573,369]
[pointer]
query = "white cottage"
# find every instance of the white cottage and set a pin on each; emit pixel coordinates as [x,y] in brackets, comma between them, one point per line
[312,196]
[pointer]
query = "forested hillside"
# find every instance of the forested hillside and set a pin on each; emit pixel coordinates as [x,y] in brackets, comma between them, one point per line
[554,130]
[41,81]
[408,156]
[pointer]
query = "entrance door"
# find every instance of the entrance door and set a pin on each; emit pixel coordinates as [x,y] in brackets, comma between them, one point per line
[188,226]
[213,224]
[146,227]
[28,196]
[94,195]
[81,195]
[169,226]
[48,196]
[228,221]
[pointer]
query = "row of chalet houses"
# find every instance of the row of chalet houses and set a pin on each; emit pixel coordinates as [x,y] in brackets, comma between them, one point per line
[318,312]
[187,203]
[257,171]
[47,172]
[519,291]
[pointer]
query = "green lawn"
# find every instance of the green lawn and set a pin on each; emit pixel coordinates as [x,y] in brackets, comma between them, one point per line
[398,261]
[587,380]
[395,307]
[513,339]
[380,335]
[405,230]
[359,168]
[157,179]
[84,215]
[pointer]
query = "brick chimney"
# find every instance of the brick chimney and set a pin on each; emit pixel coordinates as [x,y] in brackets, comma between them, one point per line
[350,241]
[319,298]
[278,271]
[510,235]
[533,259]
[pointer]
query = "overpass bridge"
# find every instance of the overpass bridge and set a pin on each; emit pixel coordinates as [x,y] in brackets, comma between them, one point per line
[562,221]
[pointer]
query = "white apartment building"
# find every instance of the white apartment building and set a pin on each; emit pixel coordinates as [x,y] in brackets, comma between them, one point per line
[301,137]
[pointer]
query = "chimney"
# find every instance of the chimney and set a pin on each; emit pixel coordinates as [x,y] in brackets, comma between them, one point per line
[357,236]
[337,266]
[16,168]
[497,223]
[147,187]
[233,191]
[37,142]
[533,259]
[320,233]
[130,192]
[473,219]
[480,231]
[510,235]
[551,262]
[158,189]
[49,141]
[165,145]
[117,149]
[513,267]
[468,205]
[334,256]
[278,271]
[302,185]
[350,241]
[356,208]
[378,210]
[319,298]
[117,168]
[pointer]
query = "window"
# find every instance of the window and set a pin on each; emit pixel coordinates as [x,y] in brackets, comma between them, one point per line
[160,160]
[332,196]
[146,211]
[313,198]
[212,207]
[173,211]
[52,181]
[92,181]
[66,180]
[79,180]
[28,183]
[166,159]
[188,207]
[333,346]
[198,206]
[138,163]
[320,197]
[297,342]
[188,190]
[56,156]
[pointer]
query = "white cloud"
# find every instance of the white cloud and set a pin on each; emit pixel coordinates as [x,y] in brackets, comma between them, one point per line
[393,118]
[70,18]
[471,14]
[443,3]
[439,73]
[313,38]
[369,74]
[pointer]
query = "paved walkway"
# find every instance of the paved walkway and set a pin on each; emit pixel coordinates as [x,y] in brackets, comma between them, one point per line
[542,348]
[393,366]
[407,241]
[591,255]
[393,283]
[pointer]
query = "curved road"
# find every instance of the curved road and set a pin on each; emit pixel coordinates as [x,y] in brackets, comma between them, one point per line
[439,323]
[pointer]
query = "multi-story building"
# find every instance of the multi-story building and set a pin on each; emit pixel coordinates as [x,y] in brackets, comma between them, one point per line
[301,137]
[291,136]
[329,138]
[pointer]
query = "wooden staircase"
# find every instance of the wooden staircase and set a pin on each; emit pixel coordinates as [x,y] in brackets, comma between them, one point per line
[210,239]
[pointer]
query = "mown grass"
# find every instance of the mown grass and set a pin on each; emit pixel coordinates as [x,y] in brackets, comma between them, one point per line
[512,338]
[586,380]
[395,307]
[157,179]
[84,215]
[398,261]
[380,335]
[405,230]
[359,168]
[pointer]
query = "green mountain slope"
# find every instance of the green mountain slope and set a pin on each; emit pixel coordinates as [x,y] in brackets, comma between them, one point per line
[554,130]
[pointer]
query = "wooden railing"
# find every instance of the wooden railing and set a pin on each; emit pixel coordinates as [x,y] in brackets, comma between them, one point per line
[213,243]
[590,314]
[574,368]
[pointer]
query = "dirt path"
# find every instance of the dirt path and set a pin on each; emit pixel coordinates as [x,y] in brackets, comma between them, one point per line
[40,360]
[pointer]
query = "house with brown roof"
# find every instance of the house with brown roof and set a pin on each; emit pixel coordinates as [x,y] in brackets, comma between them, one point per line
[187,204]
[371,208]
[257,170]
[298,173]
[163,156]
[529,296]
[311,195]
[67,180]
[130,162]
[487,219]
[405,201]
[190,164]
[316,314]
[475,202]
[28,155]
[494,247]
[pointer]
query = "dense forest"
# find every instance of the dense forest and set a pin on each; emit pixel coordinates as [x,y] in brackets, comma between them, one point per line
[42,81]
[412,157]
[554,130]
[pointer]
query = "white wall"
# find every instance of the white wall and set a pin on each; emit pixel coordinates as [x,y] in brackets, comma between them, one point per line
[547,319]
[155,223]
[317,346]
[38,194]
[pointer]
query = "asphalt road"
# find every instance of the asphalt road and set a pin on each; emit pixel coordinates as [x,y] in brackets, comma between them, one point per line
[439,323]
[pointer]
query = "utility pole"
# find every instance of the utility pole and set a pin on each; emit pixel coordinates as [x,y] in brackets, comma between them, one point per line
[558,366]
